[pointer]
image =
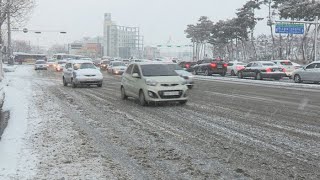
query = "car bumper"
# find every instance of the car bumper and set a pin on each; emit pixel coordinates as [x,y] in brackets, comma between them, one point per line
[88,80]
[273,75]
[41,67]
[161,94]
[218,71]
[289,74]
[118,71]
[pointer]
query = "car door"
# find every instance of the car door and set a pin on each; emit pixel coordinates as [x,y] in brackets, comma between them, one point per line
[253,69]
[135,82]
[230,67]
[127,80]
[306,74]
[316,73]
[67,73]
[246,70]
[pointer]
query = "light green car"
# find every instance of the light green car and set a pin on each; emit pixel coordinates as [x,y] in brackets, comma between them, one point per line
[153,82]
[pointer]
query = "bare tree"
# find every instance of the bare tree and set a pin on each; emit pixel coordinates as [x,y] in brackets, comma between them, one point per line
[18,10]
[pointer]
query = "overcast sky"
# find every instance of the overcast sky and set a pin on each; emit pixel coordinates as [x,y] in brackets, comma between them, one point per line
[158,19]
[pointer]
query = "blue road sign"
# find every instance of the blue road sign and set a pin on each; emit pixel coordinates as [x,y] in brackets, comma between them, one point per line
[290,28]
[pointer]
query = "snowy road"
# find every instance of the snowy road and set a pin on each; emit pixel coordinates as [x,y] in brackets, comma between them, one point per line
[228,130]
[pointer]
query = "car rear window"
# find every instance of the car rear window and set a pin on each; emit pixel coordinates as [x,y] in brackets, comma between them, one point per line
[118,64]
[84,66]
[286,63]
[158,70]
[62,62]
[40,62]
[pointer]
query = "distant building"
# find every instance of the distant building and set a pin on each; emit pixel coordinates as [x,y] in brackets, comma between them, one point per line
[121,41]
[151,52]
[89,47]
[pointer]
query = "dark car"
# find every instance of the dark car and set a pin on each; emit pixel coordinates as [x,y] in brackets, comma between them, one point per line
[104,64]
[187,65]
[208,67]
[262,69]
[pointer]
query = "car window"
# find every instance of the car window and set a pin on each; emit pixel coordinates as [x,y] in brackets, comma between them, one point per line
[136,70]
[129,69]
[68,66]
[84,66]
[268,64]
[286,63]
[175,67]
[317,65]
[249,65]
[311,66]
[230,64]
[255,65]
[118,64]
[157,70]
[40,62]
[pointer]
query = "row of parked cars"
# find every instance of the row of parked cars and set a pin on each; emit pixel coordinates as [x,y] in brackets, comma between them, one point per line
[258,70]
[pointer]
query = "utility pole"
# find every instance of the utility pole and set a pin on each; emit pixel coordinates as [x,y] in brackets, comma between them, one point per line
[316,39]
[10,61]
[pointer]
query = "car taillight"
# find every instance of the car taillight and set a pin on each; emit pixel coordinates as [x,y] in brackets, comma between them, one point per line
[213,65]
[225,65]
[187,65]
[268,70]
[240,68]
[284,70]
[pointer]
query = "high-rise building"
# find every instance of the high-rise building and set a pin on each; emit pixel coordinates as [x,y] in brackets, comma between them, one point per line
[121,41]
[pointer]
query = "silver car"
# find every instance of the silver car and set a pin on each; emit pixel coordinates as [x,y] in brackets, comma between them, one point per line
[310,73]
[153,82]
[81,72]
[117,67]
[40,64]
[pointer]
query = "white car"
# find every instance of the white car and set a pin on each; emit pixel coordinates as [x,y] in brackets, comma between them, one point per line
[51,62]
[153,82]
[287,66]
[310,73]
[40,64]
[117,67]
[59,66]
[296,65]
[81,72]
[234,67]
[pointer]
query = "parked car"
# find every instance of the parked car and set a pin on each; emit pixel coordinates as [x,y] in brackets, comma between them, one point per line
[208,67]
[116,67]
[40,64]
[310,73]
[184,74]
[81,72]
[153,82]
[234,67]
[262,69]
[60,65]
[287,66]
[104,65]
[296,65]
[186,65]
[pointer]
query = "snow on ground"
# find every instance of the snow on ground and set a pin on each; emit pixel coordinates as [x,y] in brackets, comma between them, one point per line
[16,101]
[41,142]
[9,68]
[282,83]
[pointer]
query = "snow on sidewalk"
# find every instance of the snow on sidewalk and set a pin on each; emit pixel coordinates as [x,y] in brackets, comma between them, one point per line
[41,142]
[17,97]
